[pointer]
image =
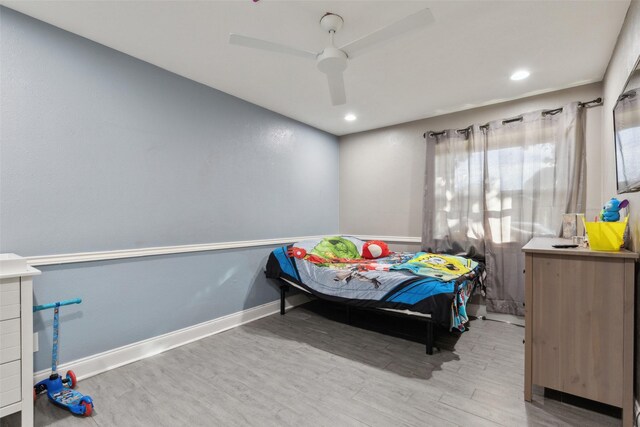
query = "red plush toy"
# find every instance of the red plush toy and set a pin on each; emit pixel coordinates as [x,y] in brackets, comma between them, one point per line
[375,249]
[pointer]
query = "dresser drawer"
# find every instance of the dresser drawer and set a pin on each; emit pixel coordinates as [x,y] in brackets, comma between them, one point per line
[9,298]
[9,340]
[10,389]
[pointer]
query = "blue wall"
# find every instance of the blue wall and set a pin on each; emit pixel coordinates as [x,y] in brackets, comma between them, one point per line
[129,300]
[102,151]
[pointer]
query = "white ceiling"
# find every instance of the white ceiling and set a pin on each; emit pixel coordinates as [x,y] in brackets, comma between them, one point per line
[464,60]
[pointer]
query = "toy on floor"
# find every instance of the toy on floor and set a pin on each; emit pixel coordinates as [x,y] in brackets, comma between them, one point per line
[59,390]
[611,210]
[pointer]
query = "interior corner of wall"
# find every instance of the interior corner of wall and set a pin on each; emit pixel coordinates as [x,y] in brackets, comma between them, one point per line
[634,231]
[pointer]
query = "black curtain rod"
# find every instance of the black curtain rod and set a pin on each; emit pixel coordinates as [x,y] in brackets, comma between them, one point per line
[552,112]
[515,119]
[593,103]
[588,104]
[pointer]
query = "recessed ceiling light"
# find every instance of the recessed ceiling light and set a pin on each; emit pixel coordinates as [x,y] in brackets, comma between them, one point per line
[520,75]
[350,117]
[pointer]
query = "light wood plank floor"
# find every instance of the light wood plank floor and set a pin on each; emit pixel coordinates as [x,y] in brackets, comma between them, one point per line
[309,369]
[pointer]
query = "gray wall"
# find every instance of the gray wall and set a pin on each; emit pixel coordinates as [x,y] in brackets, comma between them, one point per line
[126,301]
[622,61]
[101,151]
[389,163]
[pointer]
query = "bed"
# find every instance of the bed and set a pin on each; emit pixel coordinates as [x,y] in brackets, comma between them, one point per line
[361,274]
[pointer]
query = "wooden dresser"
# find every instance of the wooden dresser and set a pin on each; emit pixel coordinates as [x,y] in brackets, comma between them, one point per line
[579,322]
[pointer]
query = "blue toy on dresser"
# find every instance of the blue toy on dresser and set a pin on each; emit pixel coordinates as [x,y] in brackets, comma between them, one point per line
[60,390]
[611,210]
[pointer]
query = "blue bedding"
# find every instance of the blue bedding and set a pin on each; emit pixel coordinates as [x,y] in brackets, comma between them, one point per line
[332,268]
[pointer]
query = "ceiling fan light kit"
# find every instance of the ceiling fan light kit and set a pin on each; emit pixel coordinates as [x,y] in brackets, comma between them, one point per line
[332,61]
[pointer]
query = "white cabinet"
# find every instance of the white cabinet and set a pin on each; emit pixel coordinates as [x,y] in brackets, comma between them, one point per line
[16,337]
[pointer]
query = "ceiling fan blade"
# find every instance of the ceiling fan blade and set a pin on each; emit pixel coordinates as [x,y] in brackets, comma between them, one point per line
[406,24]
[336,88]
[240,40]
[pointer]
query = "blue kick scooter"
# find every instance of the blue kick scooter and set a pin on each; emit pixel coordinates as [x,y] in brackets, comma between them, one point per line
[59,390]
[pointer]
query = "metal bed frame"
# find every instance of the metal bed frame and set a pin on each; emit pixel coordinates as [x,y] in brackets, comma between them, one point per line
[430,336]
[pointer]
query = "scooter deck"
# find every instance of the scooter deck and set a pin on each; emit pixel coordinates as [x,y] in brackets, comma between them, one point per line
[67,397]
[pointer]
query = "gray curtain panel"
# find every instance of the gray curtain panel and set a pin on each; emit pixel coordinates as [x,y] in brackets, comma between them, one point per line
[453,220]
[533,171]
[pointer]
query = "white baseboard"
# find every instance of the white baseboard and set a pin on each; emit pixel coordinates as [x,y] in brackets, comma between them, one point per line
[480,310]
[476,310]
[111,359]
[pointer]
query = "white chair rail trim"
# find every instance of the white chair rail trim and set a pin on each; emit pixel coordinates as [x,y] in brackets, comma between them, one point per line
[180,249]
[159,250]
[389,239]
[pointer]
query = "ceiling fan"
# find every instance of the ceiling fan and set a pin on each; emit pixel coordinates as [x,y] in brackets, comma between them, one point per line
[333,60]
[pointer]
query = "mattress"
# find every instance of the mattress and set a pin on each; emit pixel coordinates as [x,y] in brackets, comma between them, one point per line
[332,268]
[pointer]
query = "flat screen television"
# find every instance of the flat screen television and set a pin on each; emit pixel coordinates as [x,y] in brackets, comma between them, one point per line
[626,122]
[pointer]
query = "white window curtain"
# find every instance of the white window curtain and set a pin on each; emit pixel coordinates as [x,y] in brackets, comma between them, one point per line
[454,196]
[531,172]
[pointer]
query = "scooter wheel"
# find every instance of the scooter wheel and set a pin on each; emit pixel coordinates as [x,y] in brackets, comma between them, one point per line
[71,379]
[37,389]
[88,409]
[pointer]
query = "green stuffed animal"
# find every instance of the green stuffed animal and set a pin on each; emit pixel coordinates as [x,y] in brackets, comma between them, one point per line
[336,247]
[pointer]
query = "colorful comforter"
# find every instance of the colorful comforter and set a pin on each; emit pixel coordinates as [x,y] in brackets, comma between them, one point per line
[332,268]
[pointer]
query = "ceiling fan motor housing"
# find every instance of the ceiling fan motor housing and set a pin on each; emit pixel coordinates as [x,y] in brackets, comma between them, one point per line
[332,60]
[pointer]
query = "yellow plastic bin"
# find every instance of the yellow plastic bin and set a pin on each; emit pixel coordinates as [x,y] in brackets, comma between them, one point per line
[606,236]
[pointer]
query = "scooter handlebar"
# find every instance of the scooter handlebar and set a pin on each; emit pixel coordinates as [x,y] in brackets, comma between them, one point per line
[57,304]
